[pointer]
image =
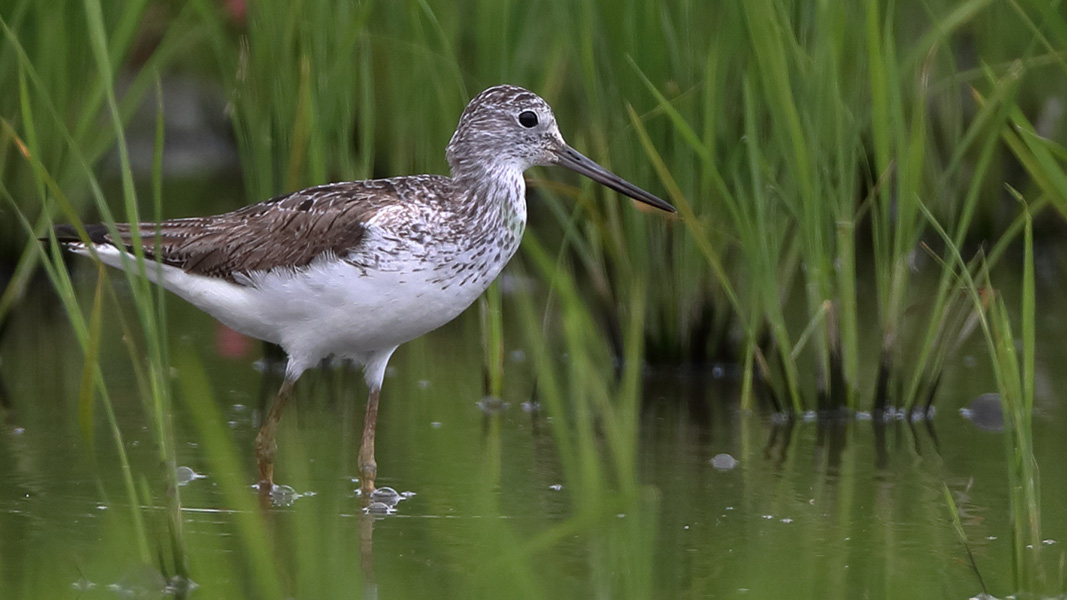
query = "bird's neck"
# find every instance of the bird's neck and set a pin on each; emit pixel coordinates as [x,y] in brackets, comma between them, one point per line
[495,194]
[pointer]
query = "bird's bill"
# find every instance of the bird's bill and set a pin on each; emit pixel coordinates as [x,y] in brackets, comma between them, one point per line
[577,162]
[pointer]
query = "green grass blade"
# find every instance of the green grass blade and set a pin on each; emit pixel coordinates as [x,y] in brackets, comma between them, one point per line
[962,536]
[92,360]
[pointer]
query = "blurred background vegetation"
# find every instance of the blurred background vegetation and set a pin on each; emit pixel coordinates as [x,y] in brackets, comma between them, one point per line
[801,144]
[847,178]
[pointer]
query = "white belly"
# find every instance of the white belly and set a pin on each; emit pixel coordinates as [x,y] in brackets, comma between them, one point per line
[334,307]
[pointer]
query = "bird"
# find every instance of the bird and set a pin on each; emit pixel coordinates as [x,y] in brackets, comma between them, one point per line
[355,269]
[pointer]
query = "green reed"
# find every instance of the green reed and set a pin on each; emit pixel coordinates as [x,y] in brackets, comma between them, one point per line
[803,190]
[1045,161]
[299,88]
[53,171]
[595,410]
[1015,380]
[796,144]
[61,106]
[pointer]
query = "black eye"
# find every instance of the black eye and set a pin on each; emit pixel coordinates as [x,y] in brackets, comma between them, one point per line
[528,118]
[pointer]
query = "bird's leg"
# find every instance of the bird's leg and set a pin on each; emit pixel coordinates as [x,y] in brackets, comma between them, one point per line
[368,469]
[265,444]
[374,373]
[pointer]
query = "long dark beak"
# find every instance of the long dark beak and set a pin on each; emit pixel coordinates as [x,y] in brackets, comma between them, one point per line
[577,162]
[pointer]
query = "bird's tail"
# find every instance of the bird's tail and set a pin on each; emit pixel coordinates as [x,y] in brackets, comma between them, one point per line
[68,234]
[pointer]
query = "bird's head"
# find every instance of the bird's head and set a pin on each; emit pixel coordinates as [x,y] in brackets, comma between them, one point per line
[508,127]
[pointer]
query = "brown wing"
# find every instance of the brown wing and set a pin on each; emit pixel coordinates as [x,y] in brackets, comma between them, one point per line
[286,232]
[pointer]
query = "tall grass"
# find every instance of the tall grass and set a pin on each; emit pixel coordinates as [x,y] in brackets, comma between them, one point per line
[1015,381]
[72,159]
[796,142]
[585,396]
[839,145]
[298,84]
[57,115]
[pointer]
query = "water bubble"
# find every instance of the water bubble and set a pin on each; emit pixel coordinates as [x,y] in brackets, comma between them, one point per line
[985,412]
[723,462]
[82,585]
[491,405]
[555,487]
[186,474]
[284,495]
[379,508]
[385,494]
[179,586]
[143,581]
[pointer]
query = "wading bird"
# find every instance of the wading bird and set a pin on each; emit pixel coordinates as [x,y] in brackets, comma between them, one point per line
[355,269]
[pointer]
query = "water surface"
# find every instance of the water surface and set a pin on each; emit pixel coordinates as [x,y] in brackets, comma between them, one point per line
[850,508]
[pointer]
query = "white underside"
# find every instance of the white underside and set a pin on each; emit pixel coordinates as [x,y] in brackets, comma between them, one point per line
[328,308]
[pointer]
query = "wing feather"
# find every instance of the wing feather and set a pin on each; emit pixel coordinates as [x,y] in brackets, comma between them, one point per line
[286,232]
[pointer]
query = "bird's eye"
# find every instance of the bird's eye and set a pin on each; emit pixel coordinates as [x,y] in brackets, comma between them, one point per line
[528,118]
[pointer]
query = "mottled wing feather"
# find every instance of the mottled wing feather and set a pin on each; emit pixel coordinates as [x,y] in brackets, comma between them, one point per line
[287,232]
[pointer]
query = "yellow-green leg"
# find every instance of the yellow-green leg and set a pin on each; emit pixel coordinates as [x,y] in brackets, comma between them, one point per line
[368,469]
[266,447]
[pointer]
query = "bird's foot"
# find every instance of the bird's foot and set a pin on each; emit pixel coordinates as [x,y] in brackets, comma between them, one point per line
[368,471]
[366,478]
[265,486]
[265,464]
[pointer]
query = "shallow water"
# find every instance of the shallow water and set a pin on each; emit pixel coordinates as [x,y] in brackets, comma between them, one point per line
[848,509]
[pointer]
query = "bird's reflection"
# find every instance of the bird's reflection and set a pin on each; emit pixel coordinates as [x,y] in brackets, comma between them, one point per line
[366,556]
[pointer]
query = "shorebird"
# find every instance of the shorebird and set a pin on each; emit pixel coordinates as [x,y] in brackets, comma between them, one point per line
[355,269]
